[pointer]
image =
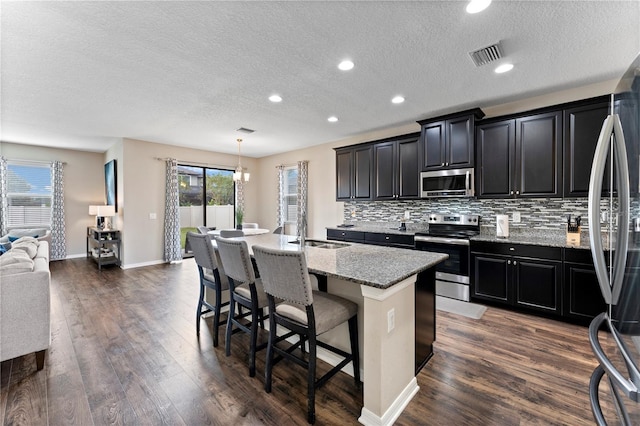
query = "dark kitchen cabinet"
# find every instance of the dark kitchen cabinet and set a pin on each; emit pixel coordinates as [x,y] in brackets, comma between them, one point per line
[354,173]
[396,169]
[520,157]
[349,236]
[392,240]
[448,142]
[582,126]
[582,298]
[517,275]
[496,159]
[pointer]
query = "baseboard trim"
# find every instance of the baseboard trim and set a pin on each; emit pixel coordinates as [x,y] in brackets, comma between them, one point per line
[368,418]
[140,265]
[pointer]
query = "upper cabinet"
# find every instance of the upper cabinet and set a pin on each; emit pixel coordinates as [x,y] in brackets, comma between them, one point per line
[520,157]
[582,126]
[354,177]
[448,142]
[396,168]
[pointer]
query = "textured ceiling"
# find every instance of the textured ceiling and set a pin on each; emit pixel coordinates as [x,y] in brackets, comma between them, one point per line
[82,75]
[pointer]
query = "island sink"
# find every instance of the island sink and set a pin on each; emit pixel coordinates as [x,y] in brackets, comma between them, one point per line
[321,244]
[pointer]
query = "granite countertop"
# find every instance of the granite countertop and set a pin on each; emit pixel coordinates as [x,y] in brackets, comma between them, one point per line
[541,237]
[383,228]
[371,265]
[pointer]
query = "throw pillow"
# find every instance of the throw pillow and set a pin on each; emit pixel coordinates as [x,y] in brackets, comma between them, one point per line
[3,250]
[27,244]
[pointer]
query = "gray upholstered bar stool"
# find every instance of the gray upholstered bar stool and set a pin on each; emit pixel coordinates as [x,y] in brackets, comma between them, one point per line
[211,276]
[305,312]
[245,290]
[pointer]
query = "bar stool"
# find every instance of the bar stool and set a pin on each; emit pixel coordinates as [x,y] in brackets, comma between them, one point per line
[210,277]
[305,312]
[245,290]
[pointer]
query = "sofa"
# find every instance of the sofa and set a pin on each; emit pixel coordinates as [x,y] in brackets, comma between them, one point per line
[25,304]
[42,234]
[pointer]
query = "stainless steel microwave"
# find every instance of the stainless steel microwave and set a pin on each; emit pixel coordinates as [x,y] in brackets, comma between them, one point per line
[447,183]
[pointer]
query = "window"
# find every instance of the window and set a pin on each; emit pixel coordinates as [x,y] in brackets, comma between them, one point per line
[291,194]
[29,194]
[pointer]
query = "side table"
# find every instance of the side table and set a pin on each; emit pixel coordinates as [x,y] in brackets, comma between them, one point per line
[103,246]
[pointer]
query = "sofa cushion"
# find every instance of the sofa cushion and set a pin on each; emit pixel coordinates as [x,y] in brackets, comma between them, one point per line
[15,262]
[27,244]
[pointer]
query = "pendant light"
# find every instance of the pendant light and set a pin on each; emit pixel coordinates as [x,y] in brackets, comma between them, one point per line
[240,174]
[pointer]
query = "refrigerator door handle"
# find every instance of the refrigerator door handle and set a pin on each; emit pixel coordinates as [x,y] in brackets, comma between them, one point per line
[628,386]
[595,195]
[594,398]
[622,239]
[612,126]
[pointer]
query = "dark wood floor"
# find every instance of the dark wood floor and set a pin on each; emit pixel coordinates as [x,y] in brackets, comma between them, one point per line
[124,351]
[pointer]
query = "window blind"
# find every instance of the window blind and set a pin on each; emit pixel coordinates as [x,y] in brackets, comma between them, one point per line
[291,194]
[29,194]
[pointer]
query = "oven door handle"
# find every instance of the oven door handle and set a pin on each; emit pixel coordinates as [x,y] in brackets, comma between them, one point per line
[440,240]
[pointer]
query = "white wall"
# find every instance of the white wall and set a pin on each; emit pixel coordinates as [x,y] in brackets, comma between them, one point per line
[83,185]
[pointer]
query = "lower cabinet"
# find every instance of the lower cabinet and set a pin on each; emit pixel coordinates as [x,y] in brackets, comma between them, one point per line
[517,275]
[581,292]
[339,235]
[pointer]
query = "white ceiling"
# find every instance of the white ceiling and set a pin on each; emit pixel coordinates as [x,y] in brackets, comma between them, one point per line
[82,75]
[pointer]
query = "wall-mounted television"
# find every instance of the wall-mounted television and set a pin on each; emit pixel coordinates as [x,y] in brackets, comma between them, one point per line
[111,184]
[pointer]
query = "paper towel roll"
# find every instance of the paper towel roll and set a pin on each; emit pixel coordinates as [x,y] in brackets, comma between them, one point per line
[502,225]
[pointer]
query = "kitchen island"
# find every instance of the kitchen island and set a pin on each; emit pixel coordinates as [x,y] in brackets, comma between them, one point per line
[382,281]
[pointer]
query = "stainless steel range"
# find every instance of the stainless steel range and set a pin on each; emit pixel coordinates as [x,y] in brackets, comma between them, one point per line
[450,233]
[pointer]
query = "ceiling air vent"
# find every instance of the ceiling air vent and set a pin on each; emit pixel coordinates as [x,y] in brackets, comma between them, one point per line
[486,54]
[244,130]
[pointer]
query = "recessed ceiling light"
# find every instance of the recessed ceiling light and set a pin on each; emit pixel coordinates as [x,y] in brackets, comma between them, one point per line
[397,100]
[476,6]
[345,65]
[504,68]
[275,98]
[332,119]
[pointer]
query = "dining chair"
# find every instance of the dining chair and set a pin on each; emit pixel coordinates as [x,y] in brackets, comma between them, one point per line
[278,230]
[211,276]
[245,290]
[205,229]
[230,233]
[304,312]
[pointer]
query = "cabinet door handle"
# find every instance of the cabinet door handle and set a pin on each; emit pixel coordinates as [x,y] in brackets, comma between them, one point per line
[442,164]
[515,263]
[508,262]
[446,164]
[512,249]
[386,238]
[511,192]
[517,192]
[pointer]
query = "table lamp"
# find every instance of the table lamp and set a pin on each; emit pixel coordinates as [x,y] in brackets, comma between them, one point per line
[101,212]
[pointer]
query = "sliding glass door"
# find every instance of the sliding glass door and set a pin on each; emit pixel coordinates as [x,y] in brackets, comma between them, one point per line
[207,198]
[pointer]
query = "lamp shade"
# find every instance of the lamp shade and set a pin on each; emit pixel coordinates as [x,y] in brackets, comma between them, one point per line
[106,211]
[93,210]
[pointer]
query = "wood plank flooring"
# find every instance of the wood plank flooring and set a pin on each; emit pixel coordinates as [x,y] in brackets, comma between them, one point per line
[124,351]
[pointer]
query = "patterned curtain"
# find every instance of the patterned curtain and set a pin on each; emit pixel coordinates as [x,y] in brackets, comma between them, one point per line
[58,249]
[3,196]
[303,178]
[281,201]
[172,251]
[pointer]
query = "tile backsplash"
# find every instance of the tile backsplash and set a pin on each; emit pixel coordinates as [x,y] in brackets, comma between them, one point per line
[535,213]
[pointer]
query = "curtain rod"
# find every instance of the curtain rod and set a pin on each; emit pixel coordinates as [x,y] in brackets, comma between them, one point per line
[17,160]
[195,163]
[288,165]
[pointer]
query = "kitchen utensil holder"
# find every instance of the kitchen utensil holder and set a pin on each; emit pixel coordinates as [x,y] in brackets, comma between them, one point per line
[573,235]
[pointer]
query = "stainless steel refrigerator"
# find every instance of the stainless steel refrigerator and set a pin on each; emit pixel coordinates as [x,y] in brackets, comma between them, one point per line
[614,234]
